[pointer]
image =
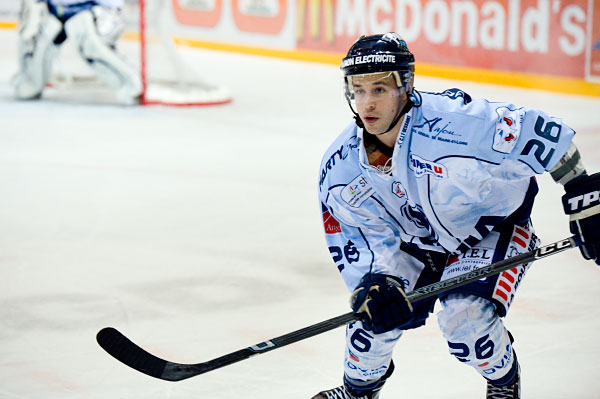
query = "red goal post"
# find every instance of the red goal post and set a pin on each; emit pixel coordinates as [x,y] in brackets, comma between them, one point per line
[167,77]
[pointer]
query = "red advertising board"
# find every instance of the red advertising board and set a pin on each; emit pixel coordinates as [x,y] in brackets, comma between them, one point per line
[259,16]
[547,37]
[594,63]
[529,43]
[208,15]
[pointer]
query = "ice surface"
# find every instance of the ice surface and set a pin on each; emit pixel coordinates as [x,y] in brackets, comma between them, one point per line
[197,232]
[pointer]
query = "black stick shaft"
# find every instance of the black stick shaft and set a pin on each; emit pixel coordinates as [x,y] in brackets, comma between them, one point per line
[494,268]
[127,352]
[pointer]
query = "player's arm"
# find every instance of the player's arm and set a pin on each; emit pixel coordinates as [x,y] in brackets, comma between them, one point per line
[581,201]
[545,144]
[568,167]
[366,252]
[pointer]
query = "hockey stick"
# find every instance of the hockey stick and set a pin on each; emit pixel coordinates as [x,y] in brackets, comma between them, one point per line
[127,352]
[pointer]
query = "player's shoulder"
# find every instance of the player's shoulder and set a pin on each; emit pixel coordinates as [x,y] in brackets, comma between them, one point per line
[454,101]
[451,123]
[453,95]
[454,109]
[340,160]
[458,102]
[451,117]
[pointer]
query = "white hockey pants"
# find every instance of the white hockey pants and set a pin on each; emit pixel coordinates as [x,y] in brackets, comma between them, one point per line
[469,319]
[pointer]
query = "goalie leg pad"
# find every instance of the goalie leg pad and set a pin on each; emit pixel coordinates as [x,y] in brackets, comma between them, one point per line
[33,13]
[477,337]
[37,50]
[109,24]
[100,54]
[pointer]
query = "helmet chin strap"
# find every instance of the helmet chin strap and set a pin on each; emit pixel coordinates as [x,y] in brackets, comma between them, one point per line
[407,107]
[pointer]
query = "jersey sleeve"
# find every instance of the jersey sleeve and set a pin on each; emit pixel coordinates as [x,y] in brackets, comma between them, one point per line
[360,242]
[527,136]
[359,238]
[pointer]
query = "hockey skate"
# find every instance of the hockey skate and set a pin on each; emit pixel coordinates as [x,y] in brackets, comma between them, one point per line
[512,391]
[346,392]
[342,393]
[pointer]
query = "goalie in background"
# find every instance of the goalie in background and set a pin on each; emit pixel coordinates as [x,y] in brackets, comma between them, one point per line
[94,26]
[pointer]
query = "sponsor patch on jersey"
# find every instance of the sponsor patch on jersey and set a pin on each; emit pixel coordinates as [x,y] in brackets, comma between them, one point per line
[455,94]
[423,167]
[508,281]
[473,259]
[357,191]
[508,129]
[339,154]
[399,190]
[404,129]
[331,225]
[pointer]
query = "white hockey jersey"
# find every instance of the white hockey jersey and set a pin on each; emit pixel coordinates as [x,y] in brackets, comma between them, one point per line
[459,168]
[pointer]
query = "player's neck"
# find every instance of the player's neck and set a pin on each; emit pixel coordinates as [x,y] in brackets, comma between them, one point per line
[388,139]
[378,153]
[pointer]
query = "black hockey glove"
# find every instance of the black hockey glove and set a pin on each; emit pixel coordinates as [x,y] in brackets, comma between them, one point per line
[582,203]
[382,303]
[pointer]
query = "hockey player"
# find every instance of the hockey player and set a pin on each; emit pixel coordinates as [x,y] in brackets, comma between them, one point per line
[425,186]
[94,26]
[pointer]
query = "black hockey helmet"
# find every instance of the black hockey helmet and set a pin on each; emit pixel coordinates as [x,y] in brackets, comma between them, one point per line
[376,54]
[381,53]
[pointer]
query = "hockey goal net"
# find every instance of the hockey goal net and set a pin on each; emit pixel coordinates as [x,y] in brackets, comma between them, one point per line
[169,72]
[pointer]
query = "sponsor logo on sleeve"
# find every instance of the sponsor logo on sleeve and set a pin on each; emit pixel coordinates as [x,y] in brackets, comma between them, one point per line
[331,225]
[339,155]
[357,191]
[508,129]
[423,167]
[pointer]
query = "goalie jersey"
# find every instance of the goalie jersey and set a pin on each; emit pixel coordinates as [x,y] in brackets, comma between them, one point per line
[87,3]
[459,168]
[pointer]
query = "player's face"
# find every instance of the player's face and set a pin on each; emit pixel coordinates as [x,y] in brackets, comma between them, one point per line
[378,100]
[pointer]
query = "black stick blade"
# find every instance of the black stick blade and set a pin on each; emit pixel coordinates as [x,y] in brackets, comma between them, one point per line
[124,350]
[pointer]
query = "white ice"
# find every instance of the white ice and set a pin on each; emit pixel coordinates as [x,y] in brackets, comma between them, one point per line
[197,232]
